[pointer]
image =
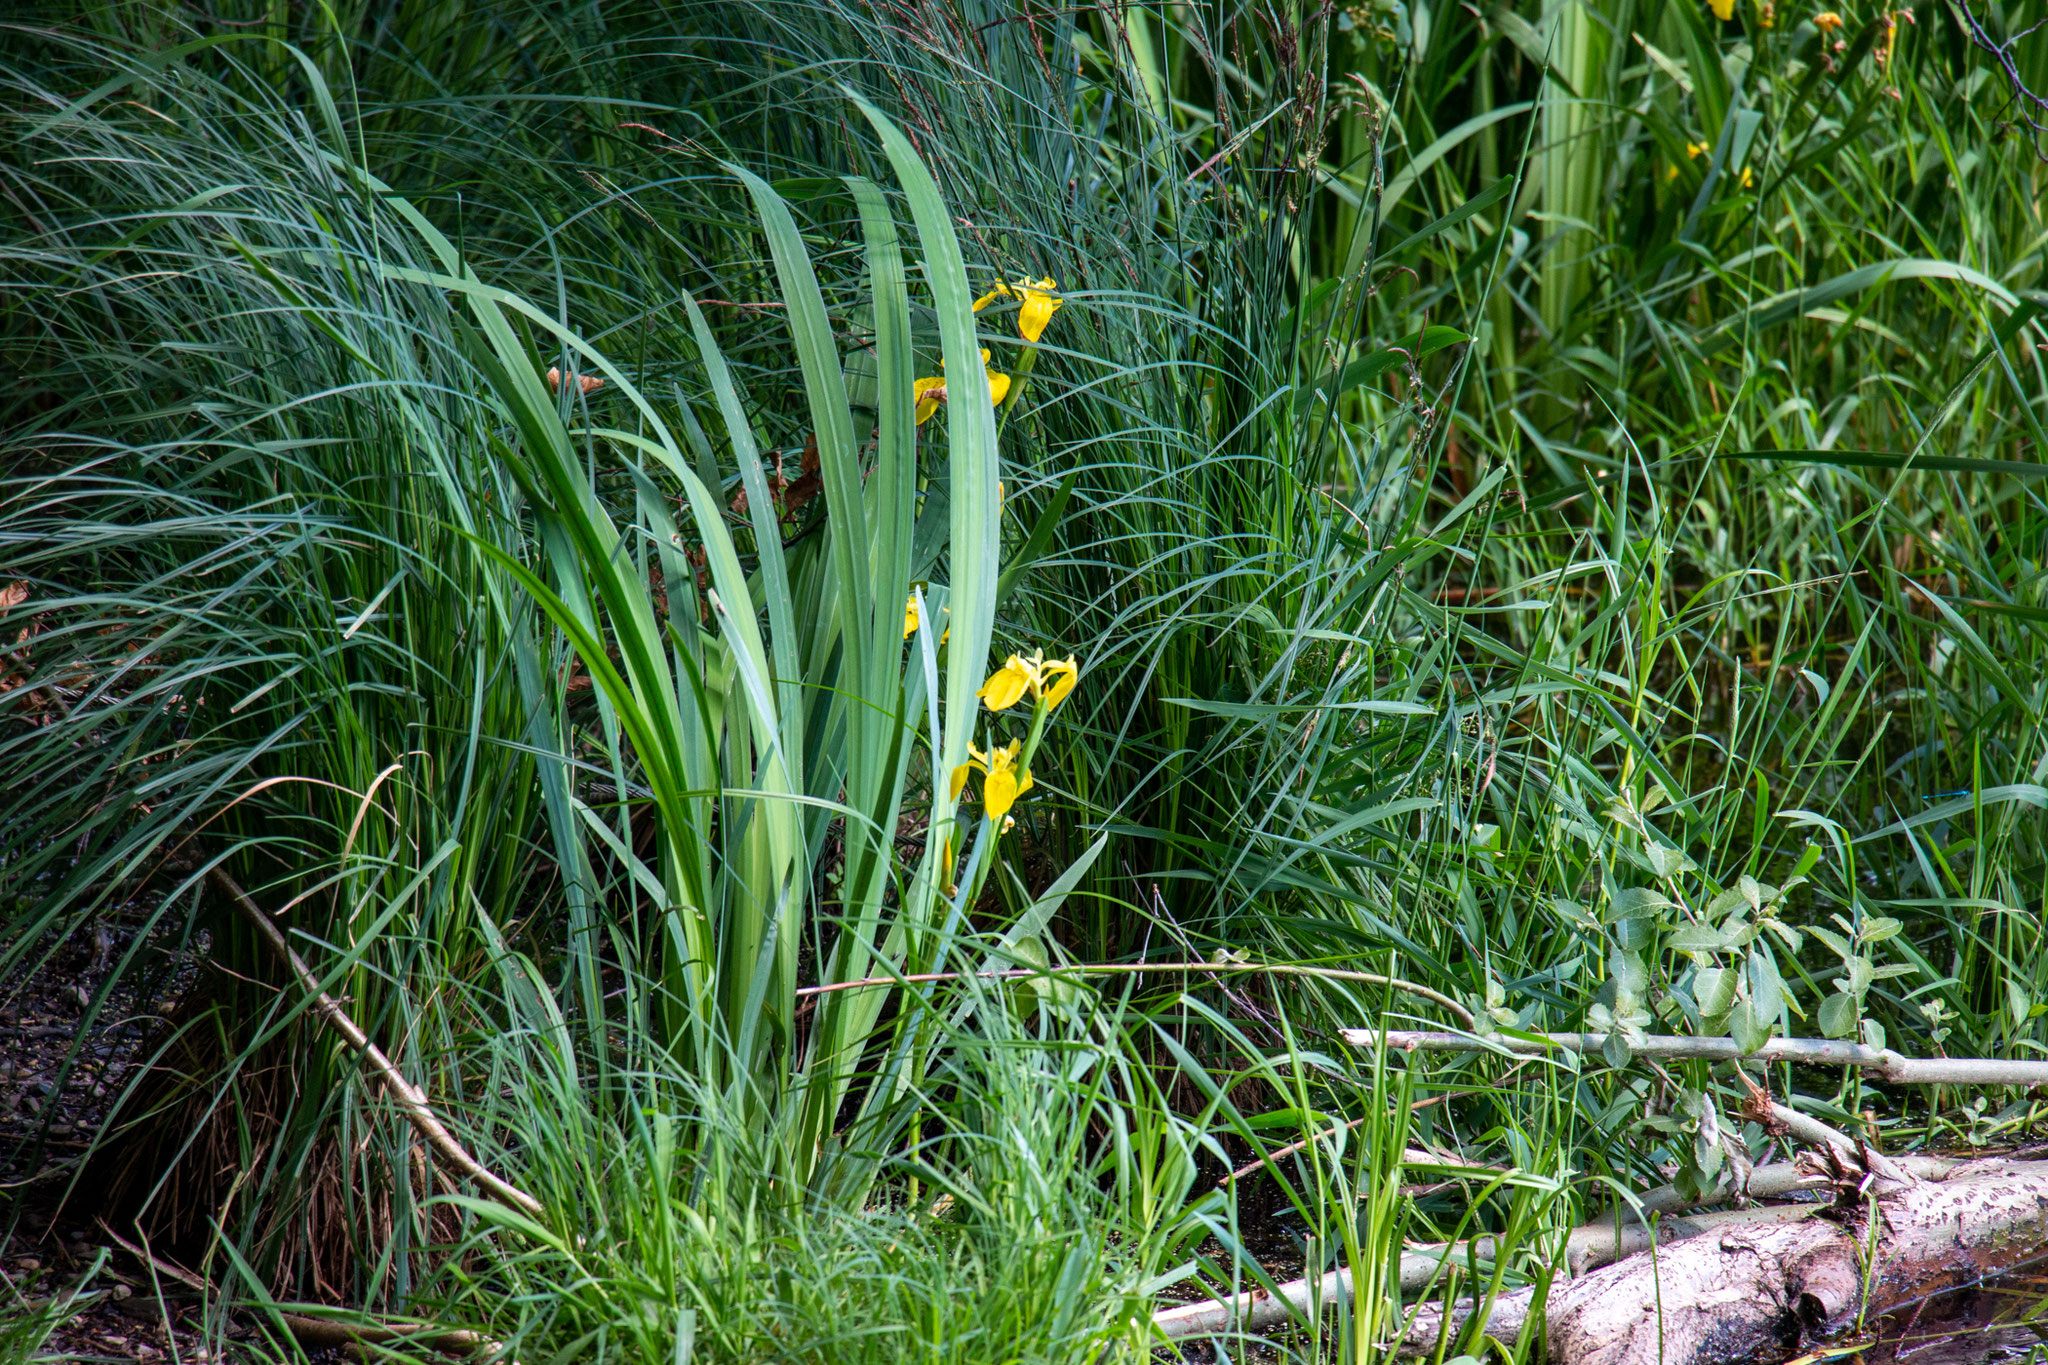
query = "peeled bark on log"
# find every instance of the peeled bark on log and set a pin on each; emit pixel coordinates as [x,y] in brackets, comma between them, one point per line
[1721,1298]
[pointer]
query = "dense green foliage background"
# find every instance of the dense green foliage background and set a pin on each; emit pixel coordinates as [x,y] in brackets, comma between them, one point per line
[1546,500]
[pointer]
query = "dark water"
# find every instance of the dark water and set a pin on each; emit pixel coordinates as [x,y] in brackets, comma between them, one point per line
[2002,1321]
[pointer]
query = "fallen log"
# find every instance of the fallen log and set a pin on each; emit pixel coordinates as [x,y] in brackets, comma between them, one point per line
[1587,1248]
[1712,1300]
[1681,1297]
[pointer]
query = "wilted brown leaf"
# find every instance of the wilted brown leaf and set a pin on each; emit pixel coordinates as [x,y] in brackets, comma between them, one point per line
[585,382]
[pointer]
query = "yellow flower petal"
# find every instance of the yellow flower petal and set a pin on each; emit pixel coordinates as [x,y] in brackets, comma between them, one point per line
[977,761]
[999,793]
[910,616]
[1001,291]
[1061,678]
[1006,781]
[1724,10]
[1005,685]
[1827,21]
[998,384]
[1039,306]
[929,393]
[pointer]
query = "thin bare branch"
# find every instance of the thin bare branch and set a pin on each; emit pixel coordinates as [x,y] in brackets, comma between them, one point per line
[1463,1015]
[412,1102]
[1885,1064]
[2032,106]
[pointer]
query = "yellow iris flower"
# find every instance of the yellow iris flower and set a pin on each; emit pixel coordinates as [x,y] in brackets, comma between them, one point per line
[1827,21]
[910,619]
[1048,682]
[1005,780]
[932,392]
[1724,10]
[1695,150]
[1039,300]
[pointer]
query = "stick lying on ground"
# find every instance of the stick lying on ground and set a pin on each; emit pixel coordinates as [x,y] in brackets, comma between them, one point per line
[1224,968]
[412,1102]
[1883,1062]
[321,1333]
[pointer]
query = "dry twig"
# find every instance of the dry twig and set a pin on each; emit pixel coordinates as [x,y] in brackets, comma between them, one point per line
[1463,1015]
[412,1102]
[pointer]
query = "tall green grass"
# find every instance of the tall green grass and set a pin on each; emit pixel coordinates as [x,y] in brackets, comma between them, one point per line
[244,479]
[743,722]
[685,1235]
[1581,661]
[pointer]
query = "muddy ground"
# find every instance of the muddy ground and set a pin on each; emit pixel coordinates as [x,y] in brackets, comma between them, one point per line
[62,1063]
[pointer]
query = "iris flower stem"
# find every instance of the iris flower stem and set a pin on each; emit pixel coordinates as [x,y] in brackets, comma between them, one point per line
[1039,712]
[1020,379]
